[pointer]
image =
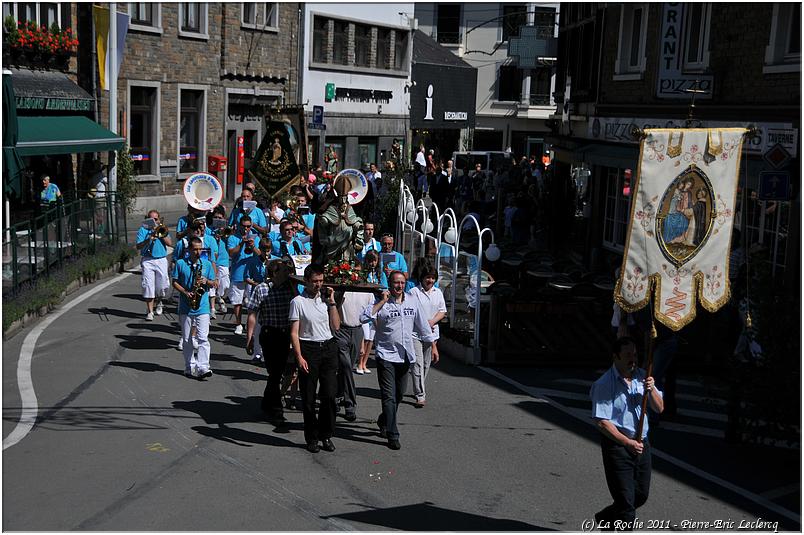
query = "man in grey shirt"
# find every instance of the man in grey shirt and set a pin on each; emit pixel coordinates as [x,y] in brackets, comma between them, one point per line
[395,319]
[313,320]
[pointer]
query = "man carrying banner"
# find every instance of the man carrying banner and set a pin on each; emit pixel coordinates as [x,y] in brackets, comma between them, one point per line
[616,405]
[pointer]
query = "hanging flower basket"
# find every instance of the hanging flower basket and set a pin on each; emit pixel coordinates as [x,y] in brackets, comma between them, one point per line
[27,44]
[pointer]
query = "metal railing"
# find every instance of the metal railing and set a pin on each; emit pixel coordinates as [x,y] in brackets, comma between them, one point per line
[32,248]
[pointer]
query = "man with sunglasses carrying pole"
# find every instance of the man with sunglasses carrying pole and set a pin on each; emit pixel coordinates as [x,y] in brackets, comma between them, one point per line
[617,405]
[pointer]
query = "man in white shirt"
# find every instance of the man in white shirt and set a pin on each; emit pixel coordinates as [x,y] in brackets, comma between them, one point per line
[433,308]
[395,318]
[350,341]
[370,243]
[313,320]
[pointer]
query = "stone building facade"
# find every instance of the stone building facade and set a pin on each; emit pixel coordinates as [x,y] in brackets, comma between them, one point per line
[196,79]
[635,64]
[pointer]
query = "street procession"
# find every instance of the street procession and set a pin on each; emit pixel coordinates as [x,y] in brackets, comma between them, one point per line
[401,266]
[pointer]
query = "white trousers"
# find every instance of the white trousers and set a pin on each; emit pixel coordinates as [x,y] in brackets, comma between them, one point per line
[155,280]
[195,363]
[223,281]
[419,369]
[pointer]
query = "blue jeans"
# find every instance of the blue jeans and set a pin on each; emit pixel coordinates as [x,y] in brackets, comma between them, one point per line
[628,479]
[393,379]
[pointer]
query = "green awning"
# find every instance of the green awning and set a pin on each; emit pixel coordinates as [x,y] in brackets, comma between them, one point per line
[63,135]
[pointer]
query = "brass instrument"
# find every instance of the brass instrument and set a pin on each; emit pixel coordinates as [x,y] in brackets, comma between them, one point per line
[160,231]
[224,232]
[198,290]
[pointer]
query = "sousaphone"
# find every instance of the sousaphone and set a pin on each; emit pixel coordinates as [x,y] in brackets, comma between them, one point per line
[203,191]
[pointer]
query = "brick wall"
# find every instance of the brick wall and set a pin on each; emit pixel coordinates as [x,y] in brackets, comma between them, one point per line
[739,34]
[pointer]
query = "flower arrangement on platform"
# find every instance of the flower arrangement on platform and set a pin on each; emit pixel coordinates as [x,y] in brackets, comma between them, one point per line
[343,272]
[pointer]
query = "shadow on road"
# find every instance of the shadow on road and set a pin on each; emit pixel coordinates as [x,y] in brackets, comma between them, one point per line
[221,415]
[147,367]
[105,311]
[145,343]
[427,517]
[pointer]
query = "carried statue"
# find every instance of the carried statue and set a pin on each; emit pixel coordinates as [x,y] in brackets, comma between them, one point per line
[338,232]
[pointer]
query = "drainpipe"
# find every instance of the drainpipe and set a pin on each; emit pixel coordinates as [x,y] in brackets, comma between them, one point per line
[113,87]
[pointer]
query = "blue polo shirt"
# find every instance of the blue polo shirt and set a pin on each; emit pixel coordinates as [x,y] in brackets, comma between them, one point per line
[295,247]
[182,251]
[222,258]
[398,265]
[256,215]
[614,400]
[156,249]
[183,273]
[237,266]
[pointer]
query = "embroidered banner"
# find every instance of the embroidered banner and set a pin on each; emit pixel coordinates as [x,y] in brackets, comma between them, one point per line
[681,223]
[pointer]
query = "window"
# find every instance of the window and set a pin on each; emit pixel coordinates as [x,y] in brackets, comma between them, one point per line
[383,48]
[145,16]
[190,130]
[143,129]
[540,86]
[367,149]
[193,19]
[448,23]
[783,53]
[362,45]
[345,45]
[509,83]
[42,13]
[320,39]
[696,36]
[617,210]
[401,50]
[577,53]
[544,18]
[633,32]
[513,18]
[340,44]
[259,15]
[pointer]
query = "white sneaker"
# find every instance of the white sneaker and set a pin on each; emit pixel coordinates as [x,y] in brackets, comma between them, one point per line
[256,358]
[159,309]
[222,306]
[149,316]
[181,344]
[212,314]
[238,329]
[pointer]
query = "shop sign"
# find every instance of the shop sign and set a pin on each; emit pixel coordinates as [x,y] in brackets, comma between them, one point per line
[363,95]
[53,104]
[673,83]
[455,115]
[768,134]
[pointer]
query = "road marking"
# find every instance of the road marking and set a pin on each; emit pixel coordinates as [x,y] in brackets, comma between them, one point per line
[157,447]
[575,413]
[28,401]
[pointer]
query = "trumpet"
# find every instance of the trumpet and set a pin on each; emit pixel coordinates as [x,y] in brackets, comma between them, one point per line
[160,231]
[224,232]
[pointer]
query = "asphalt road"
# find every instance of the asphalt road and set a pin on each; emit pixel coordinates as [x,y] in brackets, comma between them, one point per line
[123,441]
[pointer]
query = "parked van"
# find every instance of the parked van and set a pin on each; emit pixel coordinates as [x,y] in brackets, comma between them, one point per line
[488,160]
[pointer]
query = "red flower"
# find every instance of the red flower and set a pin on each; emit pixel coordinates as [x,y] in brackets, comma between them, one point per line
[335,270]
[355,278]
[345,265]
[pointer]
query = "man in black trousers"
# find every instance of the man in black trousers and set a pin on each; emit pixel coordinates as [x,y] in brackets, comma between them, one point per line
[313,321]
[617,405]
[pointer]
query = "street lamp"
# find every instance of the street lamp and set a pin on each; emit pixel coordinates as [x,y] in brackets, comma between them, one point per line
[493,254]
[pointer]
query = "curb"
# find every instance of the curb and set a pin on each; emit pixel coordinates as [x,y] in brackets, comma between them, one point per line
[32,317]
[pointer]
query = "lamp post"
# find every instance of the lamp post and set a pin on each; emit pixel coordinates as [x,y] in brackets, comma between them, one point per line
[493,254]
[451,233]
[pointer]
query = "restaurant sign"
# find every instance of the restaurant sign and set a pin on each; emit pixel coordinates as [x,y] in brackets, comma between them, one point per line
[53,104]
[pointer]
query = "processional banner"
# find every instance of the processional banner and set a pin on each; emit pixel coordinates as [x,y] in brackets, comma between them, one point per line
[282,151]
[680,228]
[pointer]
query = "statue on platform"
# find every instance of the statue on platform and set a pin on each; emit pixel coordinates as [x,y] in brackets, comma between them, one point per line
[338,231]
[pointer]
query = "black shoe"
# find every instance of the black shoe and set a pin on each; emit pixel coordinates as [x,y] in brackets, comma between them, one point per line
[206,374]
[350,417]
[312,447]
[394,444]
[327,445]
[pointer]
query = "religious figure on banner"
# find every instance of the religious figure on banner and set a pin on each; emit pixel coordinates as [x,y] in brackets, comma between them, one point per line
[678,247]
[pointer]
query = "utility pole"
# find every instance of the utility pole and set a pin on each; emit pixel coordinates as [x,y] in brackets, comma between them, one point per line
[112,73]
